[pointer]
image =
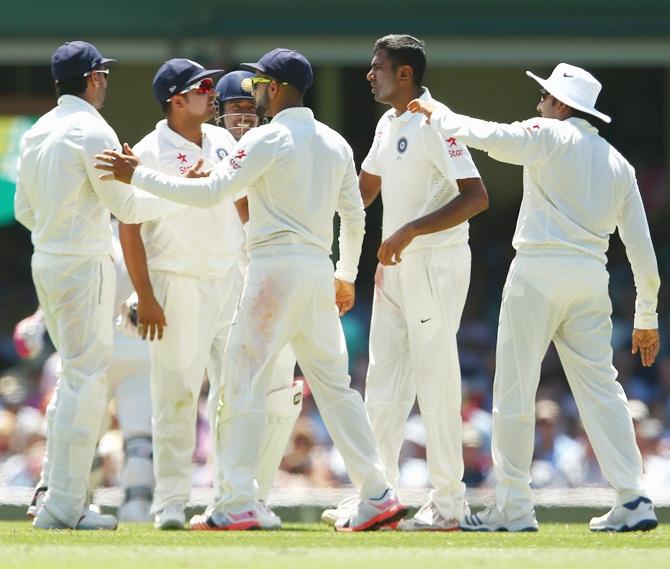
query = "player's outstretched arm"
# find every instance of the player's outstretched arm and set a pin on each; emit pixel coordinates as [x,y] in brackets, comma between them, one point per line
[648,343]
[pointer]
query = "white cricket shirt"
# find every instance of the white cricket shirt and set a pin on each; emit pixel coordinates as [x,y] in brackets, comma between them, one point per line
[297,172]
[59,195]
[419,172]
[577,189]
[196,242]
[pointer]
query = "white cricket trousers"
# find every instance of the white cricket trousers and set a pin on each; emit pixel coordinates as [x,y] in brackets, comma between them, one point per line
[288,297]
[76,294]
[561,297]
[416,313]
[198,314]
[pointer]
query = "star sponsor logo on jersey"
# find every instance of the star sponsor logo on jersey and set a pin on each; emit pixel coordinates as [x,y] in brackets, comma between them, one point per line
[402,145]
[534,128]
[182,157]
[221,153]
[235,161]
[184,165]
[454,149]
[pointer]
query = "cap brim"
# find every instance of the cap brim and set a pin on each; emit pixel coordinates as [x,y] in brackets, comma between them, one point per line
[107,61]
[251,67]
[565,98]
[205,73]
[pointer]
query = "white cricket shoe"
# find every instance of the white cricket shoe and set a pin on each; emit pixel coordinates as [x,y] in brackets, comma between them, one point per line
[266,517]
[89,520]
[636,515]
[345,509]
[135,511]
[492,519]
[429,518]
[171,517]
[373,514]
[213,520]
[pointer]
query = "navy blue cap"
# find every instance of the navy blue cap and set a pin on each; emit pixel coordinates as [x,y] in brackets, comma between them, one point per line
[75,59]
[235,85]
[285,65]
[176,74]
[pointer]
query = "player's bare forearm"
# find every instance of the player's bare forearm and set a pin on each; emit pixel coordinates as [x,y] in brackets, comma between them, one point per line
[473,199]
[370,187]
[648,343]
[150,316]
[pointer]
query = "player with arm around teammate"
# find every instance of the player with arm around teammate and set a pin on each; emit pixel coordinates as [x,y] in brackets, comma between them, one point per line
[297,172]
[577,190]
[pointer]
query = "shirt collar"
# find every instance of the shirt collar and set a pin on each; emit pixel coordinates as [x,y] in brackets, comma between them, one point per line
[72,101]
[582,123]
[175,138]
[294,113]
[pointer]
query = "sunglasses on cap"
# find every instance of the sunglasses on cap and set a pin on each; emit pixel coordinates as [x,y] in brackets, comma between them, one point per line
[104,71]
[255,81]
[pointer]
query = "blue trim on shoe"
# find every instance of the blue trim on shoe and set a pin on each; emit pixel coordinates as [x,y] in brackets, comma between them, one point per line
[633,504]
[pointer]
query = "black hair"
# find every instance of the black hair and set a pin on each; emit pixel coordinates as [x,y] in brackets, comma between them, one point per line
[76,86]
[165,107]
[404,50]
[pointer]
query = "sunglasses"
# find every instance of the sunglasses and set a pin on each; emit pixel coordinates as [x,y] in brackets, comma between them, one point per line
[103,71]
[544,94]
[255,81]
[203,87]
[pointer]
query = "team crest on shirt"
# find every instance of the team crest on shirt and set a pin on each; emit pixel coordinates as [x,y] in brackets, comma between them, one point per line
[402,145]
[221,153]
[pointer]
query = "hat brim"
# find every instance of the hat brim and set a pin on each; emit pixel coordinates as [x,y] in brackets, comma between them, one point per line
[214,74]
[252,67]
[556,91]
[107,61]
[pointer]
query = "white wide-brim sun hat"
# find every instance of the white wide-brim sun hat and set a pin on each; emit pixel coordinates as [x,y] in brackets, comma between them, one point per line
[575,87]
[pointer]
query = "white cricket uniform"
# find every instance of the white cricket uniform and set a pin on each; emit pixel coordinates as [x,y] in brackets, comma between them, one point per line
[60,198]
[297,172]
[418,303]
[192,257]
[577,189]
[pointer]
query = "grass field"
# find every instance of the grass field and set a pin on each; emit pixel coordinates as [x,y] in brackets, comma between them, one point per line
[315,546]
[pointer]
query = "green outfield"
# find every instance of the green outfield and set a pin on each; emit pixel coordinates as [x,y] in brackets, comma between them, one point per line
[315,546]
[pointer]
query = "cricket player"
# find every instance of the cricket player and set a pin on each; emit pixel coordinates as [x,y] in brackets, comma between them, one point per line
[283,403]
[185,270]
[578,190]
[61,200]
[429,191]
[297,173]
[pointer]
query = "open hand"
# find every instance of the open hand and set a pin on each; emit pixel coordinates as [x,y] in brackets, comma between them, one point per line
[150,318]
[197,171]
[120,166]
[648,343]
